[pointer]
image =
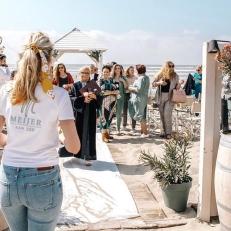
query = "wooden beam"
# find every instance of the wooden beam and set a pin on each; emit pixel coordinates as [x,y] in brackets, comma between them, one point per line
[210,136]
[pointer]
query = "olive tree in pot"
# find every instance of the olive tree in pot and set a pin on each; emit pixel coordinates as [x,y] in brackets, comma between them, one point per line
[171,170]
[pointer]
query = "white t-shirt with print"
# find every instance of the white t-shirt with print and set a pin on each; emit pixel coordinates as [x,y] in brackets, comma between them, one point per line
[4,75]
[32,128]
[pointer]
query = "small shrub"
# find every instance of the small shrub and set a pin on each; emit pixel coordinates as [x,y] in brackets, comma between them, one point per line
[173,166]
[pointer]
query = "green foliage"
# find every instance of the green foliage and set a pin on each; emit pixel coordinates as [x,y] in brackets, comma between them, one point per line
[172,167]
[55,53]
[95,55]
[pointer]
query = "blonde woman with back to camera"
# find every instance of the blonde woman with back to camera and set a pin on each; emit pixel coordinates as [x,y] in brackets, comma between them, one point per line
[30,182]
[166,80]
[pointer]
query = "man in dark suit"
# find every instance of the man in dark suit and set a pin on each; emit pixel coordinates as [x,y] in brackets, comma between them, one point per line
[93,74]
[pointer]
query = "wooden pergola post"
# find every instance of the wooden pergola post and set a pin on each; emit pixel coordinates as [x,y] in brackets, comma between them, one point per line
[210,134]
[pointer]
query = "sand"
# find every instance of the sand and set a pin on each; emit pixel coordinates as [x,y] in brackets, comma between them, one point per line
[126,149]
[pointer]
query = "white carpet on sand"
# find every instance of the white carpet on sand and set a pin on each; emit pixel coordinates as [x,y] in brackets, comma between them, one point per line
[95,193]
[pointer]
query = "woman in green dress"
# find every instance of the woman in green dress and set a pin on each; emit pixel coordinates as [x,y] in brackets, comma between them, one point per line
[120,82]
[139,98]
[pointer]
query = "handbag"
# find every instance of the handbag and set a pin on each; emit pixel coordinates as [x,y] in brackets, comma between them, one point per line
[178,96]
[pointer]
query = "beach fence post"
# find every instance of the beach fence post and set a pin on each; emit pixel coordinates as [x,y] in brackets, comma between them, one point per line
[210,135]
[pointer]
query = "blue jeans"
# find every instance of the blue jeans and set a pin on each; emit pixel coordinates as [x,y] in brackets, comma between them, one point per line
[30,199]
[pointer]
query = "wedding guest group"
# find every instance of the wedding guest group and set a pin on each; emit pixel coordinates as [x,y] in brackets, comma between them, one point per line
[30,182]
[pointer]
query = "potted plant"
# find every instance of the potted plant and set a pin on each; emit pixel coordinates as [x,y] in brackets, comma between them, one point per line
[171,170]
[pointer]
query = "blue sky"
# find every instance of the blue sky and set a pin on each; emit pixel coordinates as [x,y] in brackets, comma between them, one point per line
[147,31]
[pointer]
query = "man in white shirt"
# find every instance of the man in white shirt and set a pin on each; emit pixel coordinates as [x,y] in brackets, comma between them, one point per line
[4,70]
[93,74]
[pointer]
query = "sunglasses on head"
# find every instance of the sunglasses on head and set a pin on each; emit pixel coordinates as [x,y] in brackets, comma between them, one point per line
[171,66]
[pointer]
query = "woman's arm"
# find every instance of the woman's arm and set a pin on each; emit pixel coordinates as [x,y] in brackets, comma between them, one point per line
[3,137]
[70,80]
[199,81]
[69,136]
[132,89]
[115,92]
[158,82]
[178,86]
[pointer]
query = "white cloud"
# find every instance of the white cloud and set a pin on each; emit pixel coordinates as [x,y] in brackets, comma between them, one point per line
[191,32]
[12,40]
[145,47]
[132,47]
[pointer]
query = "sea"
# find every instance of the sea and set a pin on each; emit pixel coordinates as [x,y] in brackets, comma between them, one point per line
[182,70]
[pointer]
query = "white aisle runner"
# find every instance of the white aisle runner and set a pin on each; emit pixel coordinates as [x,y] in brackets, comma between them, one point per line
[95,193]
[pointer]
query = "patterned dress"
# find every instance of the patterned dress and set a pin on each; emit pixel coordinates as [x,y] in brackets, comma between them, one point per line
[107,111]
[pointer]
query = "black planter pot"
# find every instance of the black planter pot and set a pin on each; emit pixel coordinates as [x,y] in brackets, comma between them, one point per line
[176,196]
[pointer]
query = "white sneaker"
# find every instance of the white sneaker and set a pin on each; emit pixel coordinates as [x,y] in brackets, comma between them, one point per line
[132,132]
[143,136]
